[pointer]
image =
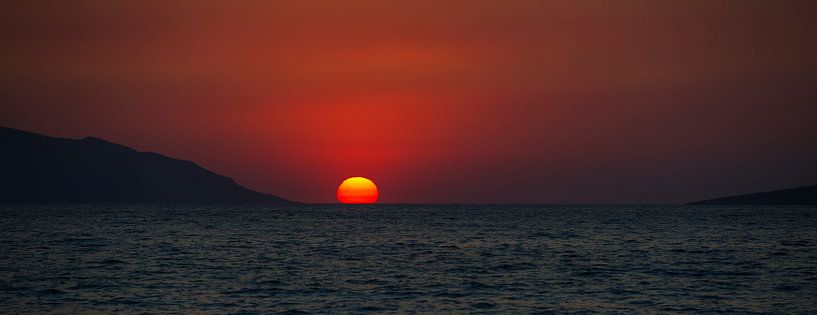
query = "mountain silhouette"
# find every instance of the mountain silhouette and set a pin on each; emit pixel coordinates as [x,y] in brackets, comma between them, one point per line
[806,195]
[35,168]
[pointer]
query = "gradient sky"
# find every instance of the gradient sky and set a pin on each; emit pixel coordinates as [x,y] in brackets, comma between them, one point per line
[436,101]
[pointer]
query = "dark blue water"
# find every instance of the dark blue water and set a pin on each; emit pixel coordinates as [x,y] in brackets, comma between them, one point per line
[408,258]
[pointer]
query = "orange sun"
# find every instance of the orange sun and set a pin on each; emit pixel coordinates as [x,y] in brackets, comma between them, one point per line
[357,190]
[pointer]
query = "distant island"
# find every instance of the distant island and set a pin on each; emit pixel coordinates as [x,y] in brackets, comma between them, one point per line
[35,168]
[806,195]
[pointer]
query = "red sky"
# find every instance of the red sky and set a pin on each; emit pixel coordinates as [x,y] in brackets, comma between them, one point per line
[436,101]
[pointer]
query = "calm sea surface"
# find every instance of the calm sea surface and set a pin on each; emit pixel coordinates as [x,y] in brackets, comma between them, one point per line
[393,258]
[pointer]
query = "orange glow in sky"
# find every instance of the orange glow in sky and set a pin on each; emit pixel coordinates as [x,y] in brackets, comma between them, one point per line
[357,190]
[442,101]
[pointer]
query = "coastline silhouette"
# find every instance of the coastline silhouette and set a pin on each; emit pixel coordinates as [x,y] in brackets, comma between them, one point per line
[805,195]
[40,169]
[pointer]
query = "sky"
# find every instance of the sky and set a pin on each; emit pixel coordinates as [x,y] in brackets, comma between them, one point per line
[437,101]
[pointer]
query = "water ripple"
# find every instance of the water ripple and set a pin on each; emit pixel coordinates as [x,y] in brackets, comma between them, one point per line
[391,258]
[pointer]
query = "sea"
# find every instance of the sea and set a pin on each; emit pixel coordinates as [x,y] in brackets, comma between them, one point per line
[408,259]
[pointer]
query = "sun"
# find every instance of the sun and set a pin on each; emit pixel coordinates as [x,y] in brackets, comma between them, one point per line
[357,190]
